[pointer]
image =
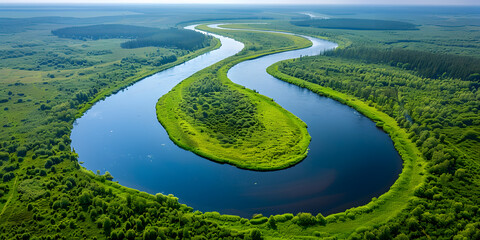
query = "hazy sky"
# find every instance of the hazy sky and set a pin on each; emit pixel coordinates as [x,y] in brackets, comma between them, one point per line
[356,2]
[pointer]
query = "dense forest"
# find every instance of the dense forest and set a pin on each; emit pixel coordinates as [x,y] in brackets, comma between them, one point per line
[441,116]
[426,64]
[355,24]
[178,38]
[105,31]
[143,36]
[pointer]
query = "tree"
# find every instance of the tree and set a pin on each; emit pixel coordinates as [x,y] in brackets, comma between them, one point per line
[48,164]
[130,234]
[255,234]
[305,219]
[21,151]
[272,223]
[4,156]
[108,176]
[85,199]
[150,234]
[321,219]
[107,226]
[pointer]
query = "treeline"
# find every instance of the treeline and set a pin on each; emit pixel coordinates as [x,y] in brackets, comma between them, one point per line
[426,64]
[105,31]
[355,24]
[15,53]
[143,36]
[152,62]
[176,38]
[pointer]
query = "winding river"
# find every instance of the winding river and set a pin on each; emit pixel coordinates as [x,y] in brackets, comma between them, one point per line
[349,161]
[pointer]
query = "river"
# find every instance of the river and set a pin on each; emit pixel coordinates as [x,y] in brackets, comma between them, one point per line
[349,161]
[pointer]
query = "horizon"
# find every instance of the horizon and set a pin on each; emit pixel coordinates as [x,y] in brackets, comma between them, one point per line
[412,3]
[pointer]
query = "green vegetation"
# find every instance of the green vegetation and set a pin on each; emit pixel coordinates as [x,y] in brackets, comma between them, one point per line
[105,31]
[144,36]
[422,108]
[355,24]
[213,117]
[426,64]
[433,36]
[44,193]
[433,120]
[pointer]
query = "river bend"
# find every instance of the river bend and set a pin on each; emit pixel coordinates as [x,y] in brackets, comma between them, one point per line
[349,161]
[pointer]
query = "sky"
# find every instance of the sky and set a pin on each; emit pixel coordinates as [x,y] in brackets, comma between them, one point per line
[333,2]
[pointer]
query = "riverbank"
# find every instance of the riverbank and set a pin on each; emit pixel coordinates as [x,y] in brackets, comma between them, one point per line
[391,203]
[145,73]
[273,139]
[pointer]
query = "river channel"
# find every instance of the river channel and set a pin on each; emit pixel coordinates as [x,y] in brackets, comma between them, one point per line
[350,160]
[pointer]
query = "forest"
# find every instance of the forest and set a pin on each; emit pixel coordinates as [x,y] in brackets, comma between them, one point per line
[105,31]
[355,24]
[143,36]
[426,64]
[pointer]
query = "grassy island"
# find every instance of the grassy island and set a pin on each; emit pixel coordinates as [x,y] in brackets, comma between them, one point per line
[225,122]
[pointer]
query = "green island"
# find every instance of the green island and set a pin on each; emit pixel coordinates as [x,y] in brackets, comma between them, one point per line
[222,121]
[430,112]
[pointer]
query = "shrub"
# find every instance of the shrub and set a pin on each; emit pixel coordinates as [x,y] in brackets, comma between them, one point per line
[284,217]
[159,197]
[7,177]
[272,223]
[321,219]
[130,234]
[85,199]
[48,164]
[255,234]
[4,156]
[107,226]
[21,151]
[305,219]
[150,234]
[256,221]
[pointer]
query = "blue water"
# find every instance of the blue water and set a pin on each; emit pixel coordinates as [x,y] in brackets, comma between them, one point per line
[349,162]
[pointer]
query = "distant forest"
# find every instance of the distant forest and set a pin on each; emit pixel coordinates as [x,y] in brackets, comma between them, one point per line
[141,36]
[426,64]
[105,31]
[355,24]
[173,37]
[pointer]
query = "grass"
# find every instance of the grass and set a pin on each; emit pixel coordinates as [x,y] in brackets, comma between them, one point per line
[280,142]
